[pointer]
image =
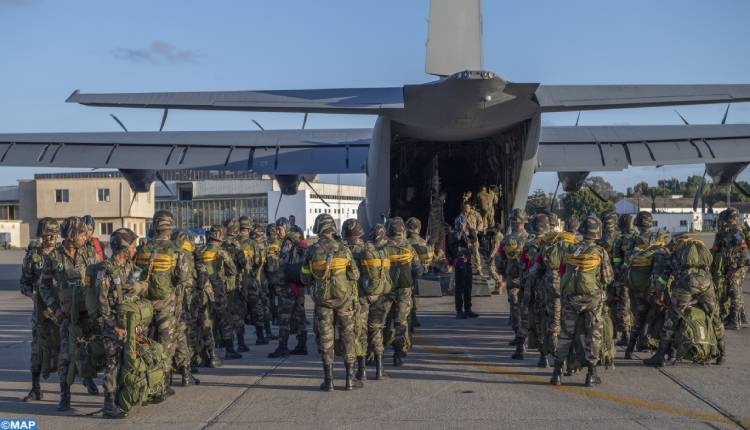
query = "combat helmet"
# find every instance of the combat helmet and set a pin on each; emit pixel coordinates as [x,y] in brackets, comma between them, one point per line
[396,226]
[231,227]
[591,228]
[163,220]
[609,220]
[731,216]
[352,229]
[324,223]
[377,233]
[271,232]
[540,223]
[121,239]
[215,233]
[47,227]
[644,220]
[257,231]
[72,227]
[414,225]
[245,222]
[572,224]
[89,220]
[625,223]
[283,222]
[518,216]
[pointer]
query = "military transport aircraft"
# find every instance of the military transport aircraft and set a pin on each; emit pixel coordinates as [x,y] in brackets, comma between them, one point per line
[470,125]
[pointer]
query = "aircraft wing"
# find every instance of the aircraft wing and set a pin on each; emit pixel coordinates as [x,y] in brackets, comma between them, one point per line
[267,152]
[336,101]
[561,98]
[613,148]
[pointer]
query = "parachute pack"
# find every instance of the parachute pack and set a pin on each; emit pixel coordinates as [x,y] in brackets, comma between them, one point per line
[695,340]
[581,276]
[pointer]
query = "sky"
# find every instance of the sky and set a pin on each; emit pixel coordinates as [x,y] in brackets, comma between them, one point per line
[50,48]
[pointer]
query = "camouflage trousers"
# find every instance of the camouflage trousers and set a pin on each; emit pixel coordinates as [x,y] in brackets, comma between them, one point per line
[499,280]
[400,311]
[254,303]
[264,293]
[45,343]
[164,323]
[643,305]
[620,299]
[736,300]
[291,310]
[361,327]
[378,311]
[553,310]
[687,294]
[183,354]
[201,338]
[112,361]
[476,258]
[514,300]
[237,306]
[223,324]
[587,309]
[524,312]
[326,321]
[63,359]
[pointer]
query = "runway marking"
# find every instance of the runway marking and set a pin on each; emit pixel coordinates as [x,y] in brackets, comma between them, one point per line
[581,391]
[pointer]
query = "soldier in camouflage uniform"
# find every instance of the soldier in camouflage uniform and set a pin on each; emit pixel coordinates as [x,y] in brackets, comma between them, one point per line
[494,260]
[330,271]
[405,267]
[692,286]
[352,233]
[273,276]
[379,296]
[63,273]
[45,333]
[510,251]
[251,276]
[476,227]
[168,274]
[114,280]
[487,201]
[622,248]
[235,293]
[425,253]
[733,250]
[189,321]
[459,253]
[289,290]
[587,273]
[532,287]
[215,265]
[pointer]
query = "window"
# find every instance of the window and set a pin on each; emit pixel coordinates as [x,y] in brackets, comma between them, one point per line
[61,196]
[106,228]
[656,223]
[683,223]
[102,195]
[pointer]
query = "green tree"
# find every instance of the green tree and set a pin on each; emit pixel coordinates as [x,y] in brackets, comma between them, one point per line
[583,202]
[538,202]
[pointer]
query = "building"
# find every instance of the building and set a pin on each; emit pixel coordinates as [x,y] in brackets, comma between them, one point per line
[674,213]
[10,222]
[200,202]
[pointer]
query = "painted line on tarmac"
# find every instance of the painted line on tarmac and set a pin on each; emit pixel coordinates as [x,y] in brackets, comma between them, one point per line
[464,358]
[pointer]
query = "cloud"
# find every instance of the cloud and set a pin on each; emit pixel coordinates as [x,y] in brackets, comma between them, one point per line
[160,52]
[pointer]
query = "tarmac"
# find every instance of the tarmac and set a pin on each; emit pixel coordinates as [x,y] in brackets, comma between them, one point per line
[458,375]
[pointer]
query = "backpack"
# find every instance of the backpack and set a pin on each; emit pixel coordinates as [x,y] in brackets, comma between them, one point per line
[331,287]
[695,339]
[639,269]
[143,373]
[693,253]
[376,266]
[157,264]
[581,276]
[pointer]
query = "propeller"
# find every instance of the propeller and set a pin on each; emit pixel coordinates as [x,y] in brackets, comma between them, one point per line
[119,122]
[554,196]
[699,191]
[726,112]
[278,204]
[578,118]
[164,119]
[260,126]
[595,193]
[741,189]
[304,121]
[315,192]
[131,202]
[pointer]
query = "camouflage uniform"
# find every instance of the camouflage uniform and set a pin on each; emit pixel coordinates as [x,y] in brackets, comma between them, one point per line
[62,276]
[252,276]
[352,233]
[215,265]
[493,261]
[510,251]
[379,298]
[487,201]
[733,252]
[476,227]
[331,272]
[45,333]
[533,303]
[405,267]
[289,291]
[618,295]
[578,305]
[168,274]
[235,293]
[273,277]
[425,253]
[436,225]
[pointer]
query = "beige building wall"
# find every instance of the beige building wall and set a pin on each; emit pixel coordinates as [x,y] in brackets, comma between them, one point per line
[39,198]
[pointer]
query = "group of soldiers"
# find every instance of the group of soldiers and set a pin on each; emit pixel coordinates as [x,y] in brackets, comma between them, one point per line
[572,287]
[186,304]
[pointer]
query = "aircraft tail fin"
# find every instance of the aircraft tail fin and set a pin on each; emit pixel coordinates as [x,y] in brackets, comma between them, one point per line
[454,38]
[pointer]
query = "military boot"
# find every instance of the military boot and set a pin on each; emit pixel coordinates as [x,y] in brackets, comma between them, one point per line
[260,335]
[90,385]
[241,345]
[658,358]
[398,360]
[557,373]
[542,363]
[516,340]
[520,349]
[592,378]
[327,384]
[351,383]
[631,346]
[379,372]
[743,316]
[213,359]
[188,378]
[624,339]
[282,350]
[230,353]
[269,333]
[301,348]
[736,323]
[722,353]
[36,389]
[64,404]
[361,374]
[110,410]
